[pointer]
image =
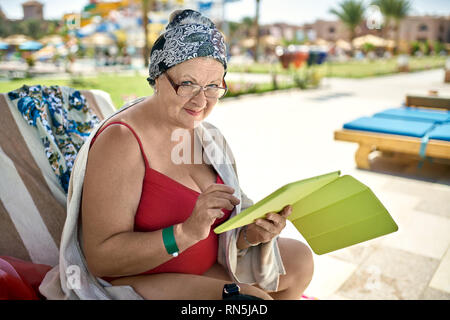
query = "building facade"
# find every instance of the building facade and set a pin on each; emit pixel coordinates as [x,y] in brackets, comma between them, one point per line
[33,10]
[422,28]
[412,28]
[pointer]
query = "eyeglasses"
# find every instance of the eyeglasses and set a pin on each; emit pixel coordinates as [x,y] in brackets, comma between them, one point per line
[192,90]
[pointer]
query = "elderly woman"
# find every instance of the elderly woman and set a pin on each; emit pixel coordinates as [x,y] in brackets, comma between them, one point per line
[147,219]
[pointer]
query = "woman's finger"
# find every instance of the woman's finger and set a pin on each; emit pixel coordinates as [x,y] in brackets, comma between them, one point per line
[267,226]
[277,219]
[287,210]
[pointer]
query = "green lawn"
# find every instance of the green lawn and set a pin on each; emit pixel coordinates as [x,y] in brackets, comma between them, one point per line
[351,69]
[120,87]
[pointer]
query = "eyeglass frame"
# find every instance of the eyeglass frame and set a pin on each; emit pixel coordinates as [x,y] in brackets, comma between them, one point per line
[203,88]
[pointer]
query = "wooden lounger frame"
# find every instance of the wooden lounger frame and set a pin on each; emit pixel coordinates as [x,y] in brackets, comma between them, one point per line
[372,141]
[428,102]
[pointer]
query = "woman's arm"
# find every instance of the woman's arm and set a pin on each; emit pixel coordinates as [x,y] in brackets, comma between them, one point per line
[111,194]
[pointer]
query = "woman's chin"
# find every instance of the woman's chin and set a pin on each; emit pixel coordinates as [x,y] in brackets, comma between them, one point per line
[193,122]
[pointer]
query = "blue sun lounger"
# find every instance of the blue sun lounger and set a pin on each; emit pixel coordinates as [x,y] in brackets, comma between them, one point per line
[408,113]
[407,130]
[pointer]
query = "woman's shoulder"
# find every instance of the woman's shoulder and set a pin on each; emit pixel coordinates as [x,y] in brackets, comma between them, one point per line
[123,124]
[116,141]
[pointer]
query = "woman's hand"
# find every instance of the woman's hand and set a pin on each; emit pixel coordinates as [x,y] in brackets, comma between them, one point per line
[207,209]
[265,229]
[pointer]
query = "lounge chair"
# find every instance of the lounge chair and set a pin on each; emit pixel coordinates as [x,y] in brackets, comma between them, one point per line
[32,200]
[413,131]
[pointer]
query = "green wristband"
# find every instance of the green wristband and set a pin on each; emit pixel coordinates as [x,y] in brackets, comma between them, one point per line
[169,241]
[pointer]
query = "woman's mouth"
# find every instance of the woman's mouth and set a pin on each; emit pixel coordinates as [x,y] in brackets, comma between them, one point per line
[193,113]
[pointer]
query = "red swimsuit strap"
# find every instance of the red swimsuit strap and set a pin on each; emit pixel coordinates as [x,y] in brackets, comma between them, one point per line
[134,133]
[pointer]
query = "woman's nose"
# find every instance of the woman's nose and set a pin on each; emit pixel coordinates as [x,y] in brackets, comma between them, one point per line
[200,99]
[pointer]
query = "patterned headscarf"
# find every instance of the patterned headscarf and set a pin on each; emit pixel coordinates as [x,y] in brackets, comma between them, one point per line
[188,35]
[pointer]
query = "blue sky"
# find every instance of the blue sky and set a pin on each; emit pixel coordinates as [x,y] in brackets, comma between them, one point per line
[289,11]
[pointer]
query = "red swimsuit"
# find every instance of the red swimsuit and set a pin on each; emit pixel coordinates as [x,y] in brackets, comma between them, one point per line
[165,202]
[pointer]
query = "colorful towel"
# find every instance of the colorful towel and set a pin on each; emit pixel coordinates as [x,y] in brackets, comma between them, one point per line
[63,123]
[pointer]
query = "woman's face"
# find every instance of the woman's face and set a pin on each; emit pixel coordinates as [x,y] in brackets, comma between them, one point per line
[201,71]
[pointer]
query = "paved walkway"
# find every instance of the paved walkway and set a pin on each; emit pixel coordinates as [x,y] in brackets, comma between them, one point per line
[288,136]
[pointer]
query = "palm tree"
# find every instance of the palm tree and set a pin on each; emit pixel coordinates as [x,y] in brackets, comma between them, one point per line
[393,10]
[351,13]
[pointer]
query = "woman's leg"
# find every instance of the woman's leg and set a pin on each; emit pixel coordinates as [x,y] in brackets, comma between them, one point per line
[298,262]
[179,286]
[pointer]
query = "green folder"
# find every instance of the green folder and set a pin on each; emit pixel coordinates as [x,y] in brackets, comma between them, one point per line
[330,211]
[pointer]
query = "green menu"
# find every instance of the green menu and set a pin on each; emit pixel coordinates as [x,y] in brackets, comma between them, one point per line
[330,211]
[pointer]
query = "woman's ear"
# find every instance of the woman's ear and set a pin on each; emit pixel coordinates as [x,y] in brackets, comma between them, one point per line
[156,86]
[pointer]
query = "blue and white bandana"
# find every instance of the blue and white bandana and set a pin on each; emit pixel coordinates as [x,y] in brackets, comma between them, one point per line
[185,39]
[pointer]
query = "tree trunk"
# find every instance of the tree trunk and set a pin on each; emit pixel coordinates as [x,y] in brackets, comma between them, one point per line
[397,37]
[386,28]
[146,51]
[352,36]
[256,26]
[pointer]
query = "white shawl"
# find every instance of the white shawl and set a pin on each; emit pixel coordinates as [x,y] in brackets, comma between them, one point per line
[71,279]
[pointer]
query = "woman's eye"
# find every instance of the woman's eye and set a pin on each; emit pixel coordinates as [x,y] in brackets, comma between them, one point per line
[186,83]
[212,86]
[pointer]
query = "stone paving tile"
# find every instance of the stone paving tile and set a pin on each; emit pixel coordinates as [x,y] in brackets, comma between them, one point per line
[434,294]
[329,275]
[441,278]
[420,233]
[390,274]
[437,203]
[422,189]
[355,254]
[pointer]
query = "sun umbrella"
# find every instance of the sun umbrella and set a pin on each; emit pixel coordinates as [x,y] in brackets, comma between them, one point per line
[3,45]
[52,39]
[30,45]
[16,39]
[45,53]
[343,45]
[98,40]
[374,40]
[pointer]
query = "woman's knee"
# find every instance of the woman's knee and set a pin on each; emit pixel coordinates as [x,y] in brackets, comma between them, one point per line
[298,260]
